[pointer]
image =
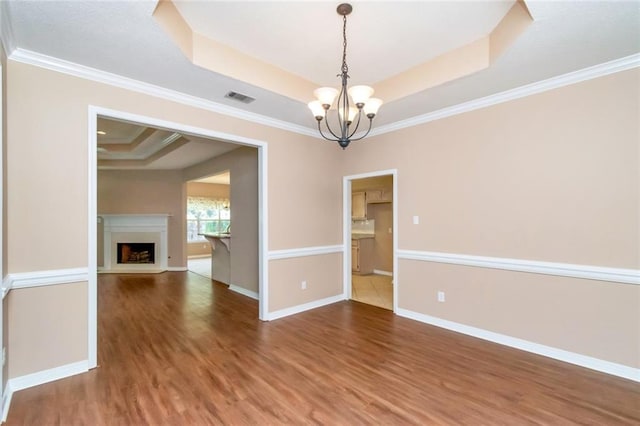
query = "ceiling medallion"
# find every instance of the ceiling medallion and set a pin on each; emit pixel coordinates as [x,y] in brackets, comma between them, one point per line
[351,103]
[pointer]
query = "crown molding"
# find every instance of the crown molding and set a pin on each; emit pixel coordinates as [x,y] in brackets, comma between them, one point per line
[611,67]
[59,65]
[81,71]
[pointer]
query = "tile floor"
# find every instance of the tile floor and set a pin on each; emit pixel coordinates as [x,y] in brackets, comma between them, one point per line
[200,266]
[373,289]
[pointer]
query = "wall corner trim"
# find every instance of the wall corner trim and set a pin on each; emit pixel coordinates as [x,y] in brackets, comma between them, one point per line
[244,291]
[304,251]
[6,285]
[598,273]
[6,402]
[536,348]
[304,307]
[600,70]
[40,378]
[44,278]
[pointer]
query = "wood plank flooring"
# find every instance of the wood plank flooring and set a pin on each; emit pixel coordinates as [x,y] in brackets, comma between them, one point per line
[177,349]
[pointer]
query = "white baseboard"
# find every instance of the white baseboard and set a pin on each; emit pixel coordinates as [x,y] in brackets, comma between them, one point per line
[40,378]
[304,307]
[244,291]
[536,348]
[46,376]
[379,272]
[131,271]
[177,268]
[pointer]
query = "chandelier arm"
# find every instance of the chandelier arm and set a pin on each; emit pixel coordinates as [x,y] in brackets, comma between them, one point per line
[365,135]
[326,123]
[343,98]
[355,129]
[323,135]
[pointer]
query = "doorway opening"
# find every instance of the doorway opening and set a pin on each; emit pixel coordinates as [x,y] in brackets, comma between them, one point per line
[208,212]
[160,143]
[370,224]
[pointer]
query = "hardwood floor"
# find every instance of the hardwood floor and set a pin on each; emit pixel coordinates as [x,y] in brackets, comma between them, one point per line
[177,349]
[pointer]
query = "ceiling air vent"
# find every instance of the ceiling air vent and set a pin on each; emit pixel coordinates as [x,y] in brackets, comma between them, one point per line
[239,97]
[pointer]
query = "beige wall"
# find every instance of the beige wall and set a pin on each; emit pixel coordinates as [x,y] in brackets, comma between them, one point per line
[59,104]
[243,166]
[203,189]
[47,173]
[551,177]
[146,192]
[548,177]
[47,327]
[593,318]
[323,275]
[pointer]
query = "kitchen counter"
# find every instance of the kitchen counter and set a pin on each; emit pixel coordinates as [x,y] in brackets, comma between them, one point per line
[220,256]
[356,236]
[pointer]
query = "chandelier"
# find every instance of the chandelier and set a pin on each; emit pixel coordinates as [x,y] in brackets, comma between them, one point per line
[351,103]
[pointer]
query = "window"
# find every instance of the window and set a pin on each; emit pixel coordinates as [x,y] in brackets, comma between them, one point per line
[207,215]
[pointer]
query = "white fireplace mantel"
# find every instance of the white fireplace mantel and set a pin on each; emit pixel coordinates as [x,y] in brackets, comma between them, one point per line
[133,228]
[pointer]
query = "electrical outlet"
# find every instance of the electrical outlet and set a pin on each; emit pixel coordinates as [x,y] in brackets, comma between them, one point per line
[416,220]
[390,230]
[441,296]
[303,285]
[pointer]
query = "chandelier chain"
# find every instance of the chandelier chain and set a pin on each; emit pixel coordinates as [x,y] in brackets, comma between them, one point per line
[345,67]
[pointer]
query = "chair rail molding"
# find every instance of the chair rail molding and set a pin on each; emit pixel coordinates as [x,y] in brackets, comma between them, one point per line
[599,273]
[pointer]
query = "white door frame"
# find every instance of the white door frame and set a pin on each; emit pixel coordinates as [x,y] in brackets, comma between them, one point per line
[346,228]
[94,112]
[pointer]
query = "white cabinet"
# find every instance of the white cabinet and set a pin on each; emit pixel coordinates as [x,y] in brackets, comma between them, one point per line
[362,255]
[379,196]
[358,205]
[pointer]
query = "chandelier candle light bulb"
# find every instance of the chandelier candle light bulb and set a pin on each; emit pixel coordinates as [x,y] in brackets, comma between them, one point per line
[356,100]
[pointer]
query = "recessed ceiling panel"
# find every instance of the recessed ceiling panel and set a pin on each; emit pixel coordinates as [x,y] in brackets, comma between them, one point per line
[305,38]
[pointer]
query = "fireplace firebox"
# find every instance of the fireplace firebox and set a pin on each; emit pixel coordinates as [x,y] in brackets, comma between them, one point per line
[136,253]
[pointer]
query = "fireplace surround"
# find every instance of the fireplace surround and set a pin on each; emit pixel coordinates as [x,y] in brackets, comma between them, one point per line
[135,242]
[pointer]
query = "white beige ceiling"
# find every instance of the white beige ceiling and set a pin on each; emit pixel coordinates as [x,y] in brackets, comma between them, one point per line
[285,28]
[464,37]
[124,145]
[303,38]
